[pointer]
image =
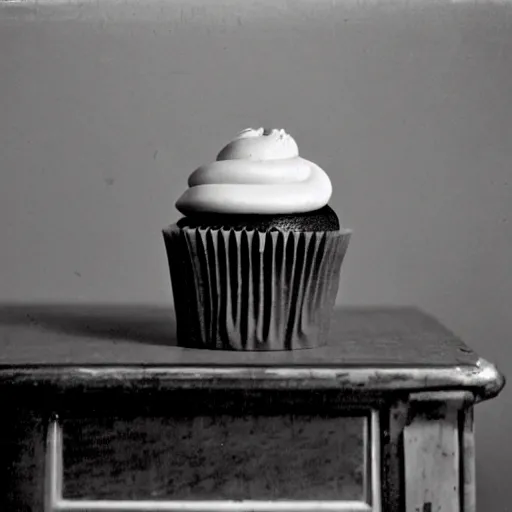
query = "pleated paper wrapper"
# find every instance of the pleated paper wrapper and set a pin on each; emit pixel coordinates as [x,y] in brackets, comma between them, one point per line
[248,290]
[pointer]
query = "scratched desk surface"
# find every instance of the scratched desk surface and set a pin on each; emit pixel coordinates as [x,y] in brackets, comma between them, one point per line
[142,335]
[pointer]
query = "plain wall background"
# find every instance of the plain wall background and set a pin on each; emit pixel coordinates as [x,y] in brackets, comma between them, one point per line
[105,109]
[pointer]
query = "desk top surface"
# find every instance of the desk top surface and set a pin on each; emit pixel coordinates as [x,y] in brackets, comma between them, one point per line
[120,335]
[379,349]
[369,349]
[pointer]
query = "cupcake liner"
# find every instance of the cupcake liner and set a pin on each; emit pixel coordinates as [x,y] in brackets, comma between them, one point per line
[248,290]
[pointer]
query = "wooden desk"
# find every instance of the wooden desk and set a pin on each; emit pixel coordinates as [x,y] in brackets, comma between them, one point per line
[101,411]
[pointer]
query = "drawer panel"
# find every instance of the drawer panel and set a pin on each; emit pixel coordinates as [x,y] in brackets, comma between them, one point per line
[216,457]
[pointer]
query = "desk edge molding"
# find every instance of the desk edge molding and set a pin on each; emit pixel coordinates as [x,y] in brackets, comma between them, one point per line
[483,379]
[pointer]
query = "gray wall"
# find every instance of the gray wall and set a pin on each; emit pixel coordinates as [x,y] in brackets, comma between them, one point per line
[106,107]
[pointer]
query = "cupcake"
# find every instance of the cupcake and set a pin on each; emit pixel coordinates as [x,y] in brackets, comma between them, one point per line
[255,260]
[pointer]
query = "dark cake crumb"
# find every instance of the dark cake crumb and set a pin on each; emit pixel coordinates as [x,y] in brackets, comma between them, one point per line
[324,219]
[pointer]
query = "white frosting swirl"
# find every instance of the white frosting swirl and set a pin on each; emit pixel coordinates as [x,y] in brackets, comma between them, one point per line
[259,172]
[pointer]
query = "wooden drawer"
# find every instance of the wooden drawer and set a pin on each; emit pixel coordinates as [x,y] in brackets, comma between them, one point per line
[217,457]
[257,455]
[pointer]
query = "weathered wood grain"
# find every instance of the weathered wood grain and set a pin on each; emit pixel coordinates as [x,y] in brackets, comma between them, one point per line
[468,459]
[393,419]
[432,455]
[22,447]
[215,458]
